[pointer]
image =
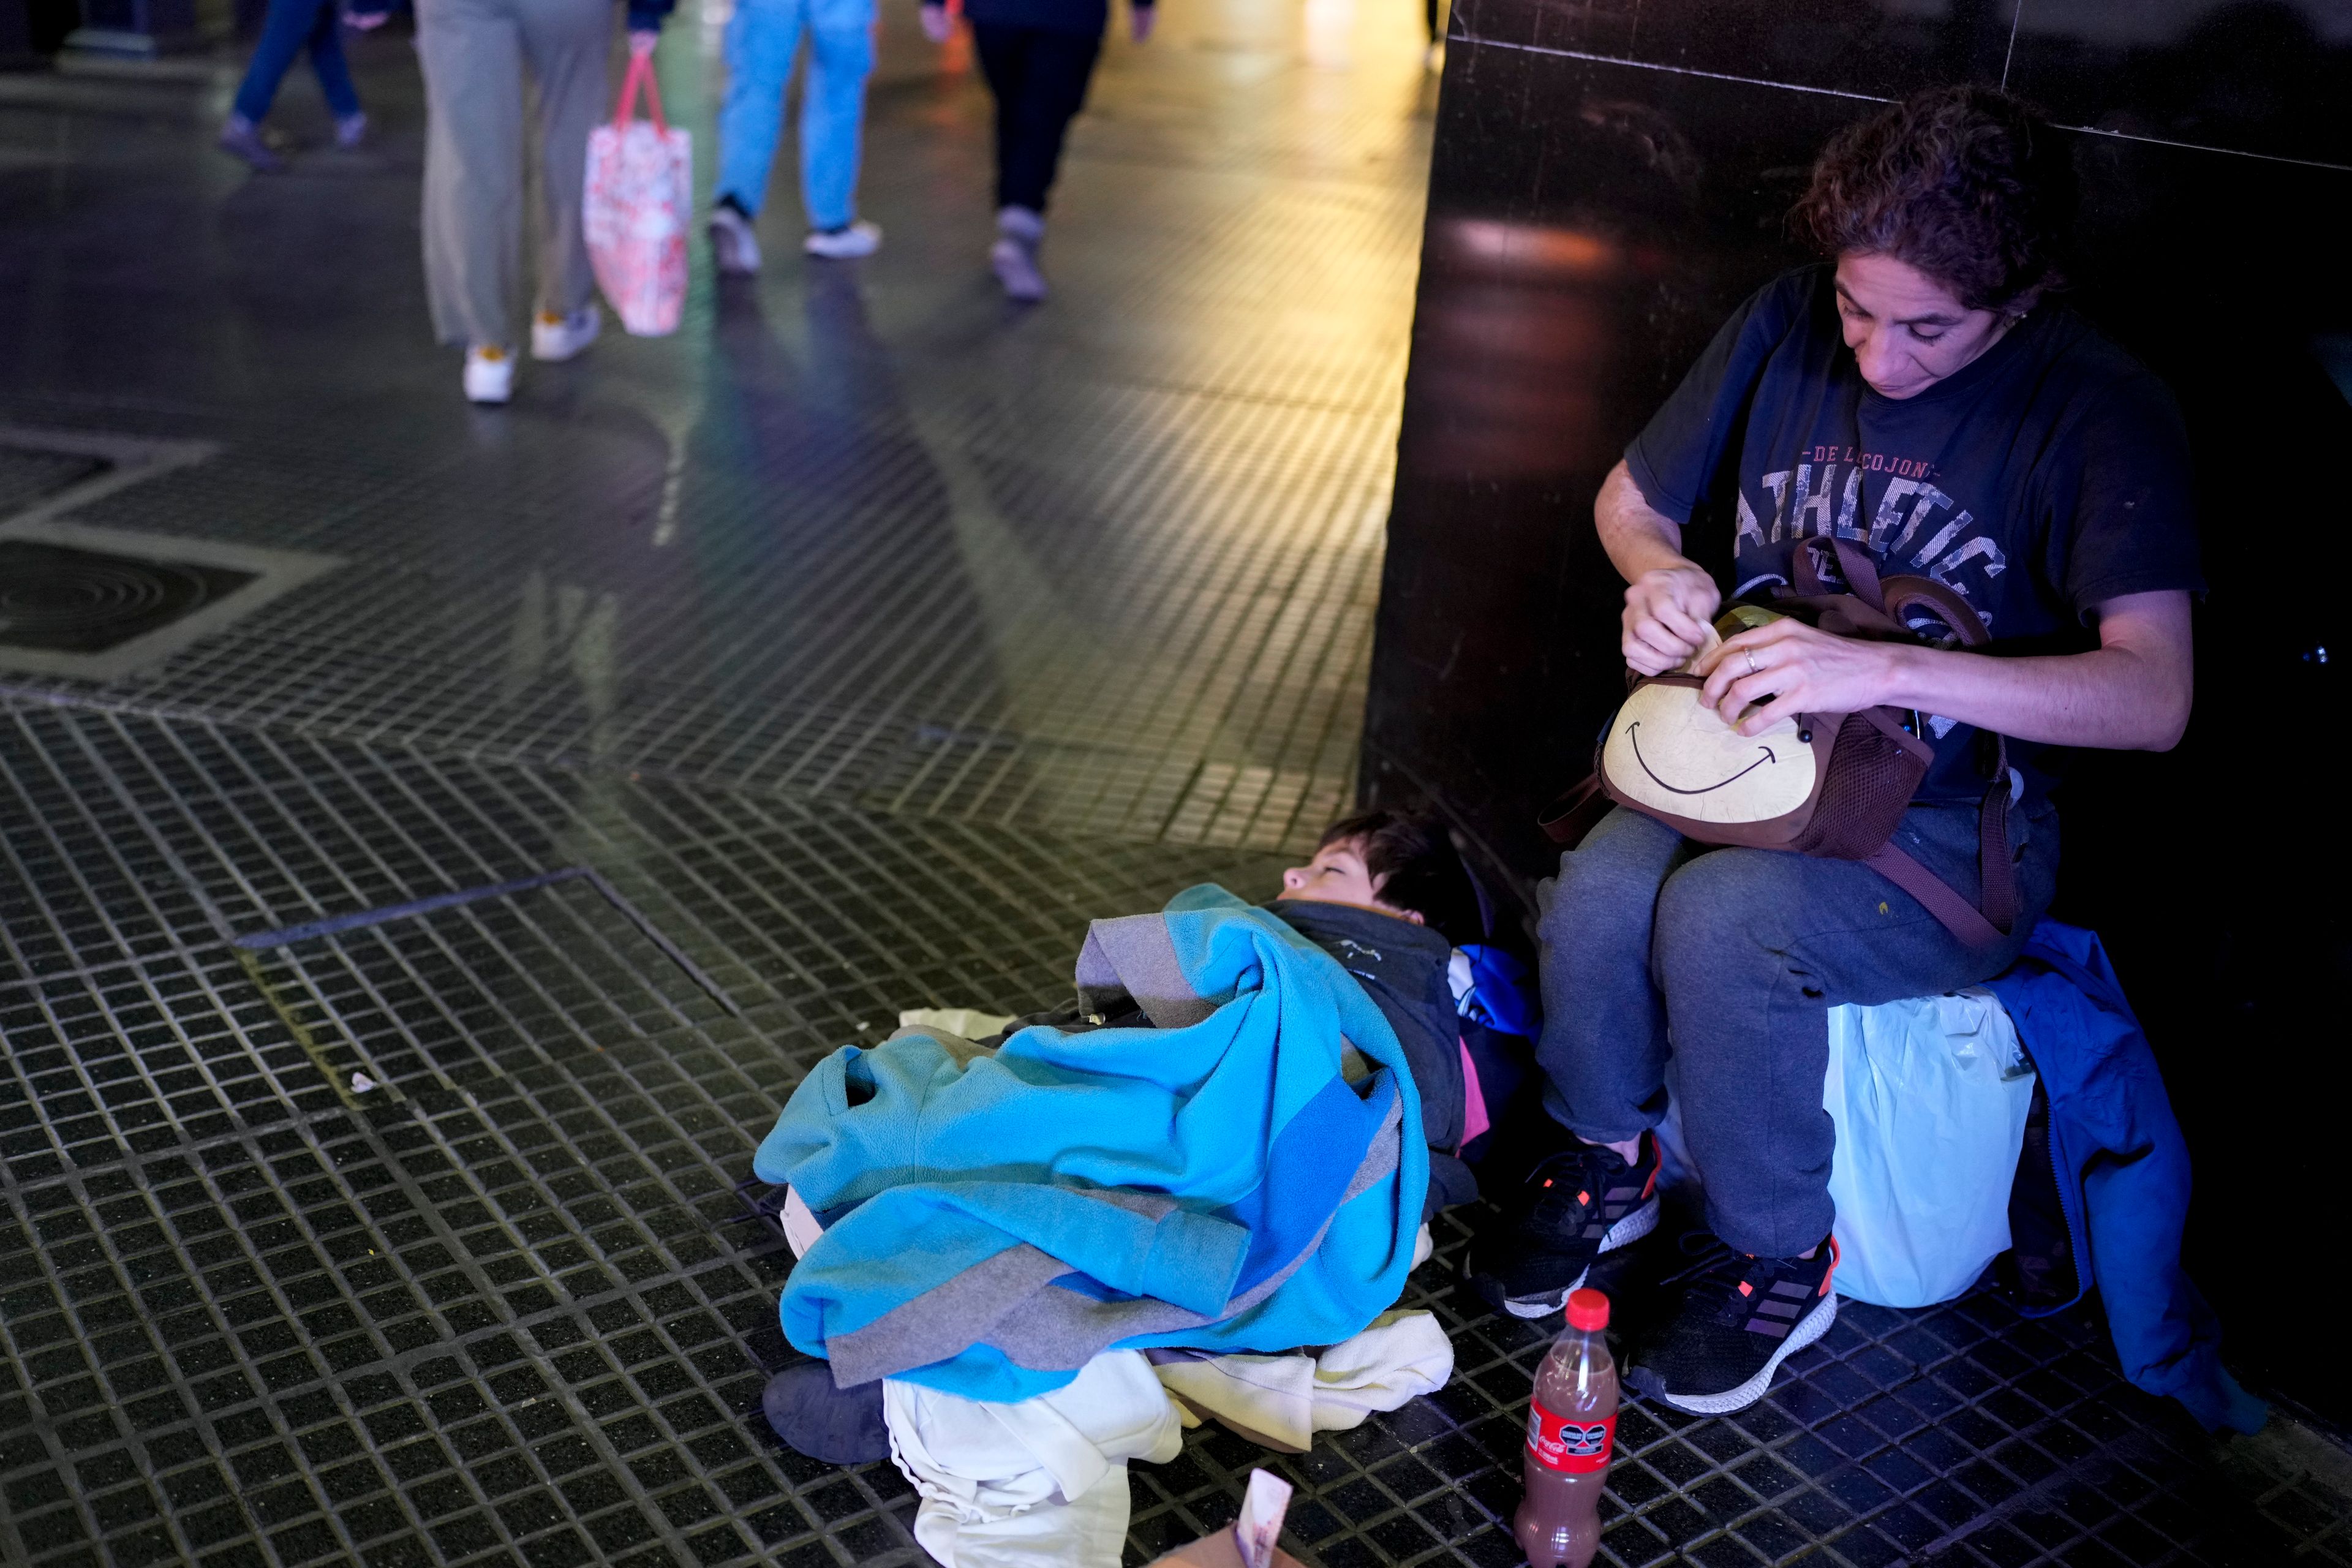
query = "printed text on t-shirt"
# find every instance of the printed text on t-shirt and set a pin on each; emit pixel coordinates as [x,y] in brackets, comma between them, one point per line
[1910,523]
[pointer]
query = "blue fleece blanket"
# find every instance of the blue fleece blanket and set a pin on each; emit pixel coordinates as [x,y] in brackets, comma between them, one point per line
[2122,1170]
[997,1218]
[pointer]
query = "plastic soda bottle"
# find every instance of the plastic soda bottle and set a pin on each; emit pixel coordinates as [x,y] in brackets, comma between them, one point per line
[1571,1433]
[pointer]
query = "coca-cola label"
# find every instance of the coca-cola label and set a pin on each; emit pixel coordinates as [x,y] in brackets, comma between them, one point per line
[1568,1443]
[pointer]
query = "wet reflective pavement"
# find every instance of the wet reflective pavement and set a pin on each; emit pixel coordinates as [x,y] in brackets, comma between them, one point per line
[861,531]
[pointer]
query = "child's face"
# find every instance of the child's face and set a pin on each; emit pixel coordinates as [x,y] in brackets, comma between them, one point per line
[1338,875]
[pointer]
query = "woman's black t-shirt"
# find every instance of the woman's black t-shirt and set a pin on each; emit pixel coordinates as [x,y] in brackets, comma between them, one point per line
[2047,476]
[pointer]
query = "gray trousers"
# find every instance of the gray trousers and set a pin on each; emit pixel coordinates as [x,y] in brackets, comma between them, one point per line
[1731,959]
[473,53]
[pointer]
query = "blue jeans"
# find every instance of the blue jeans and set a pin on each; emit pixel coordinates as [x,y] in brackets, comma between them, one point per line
[761,39]
[289,26]
[1742,952]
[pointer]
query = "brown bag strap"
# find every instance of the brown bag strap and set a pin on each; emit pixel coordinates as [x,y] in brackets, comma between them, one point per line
[1936,896]
[1806,569]
[1996,866]
[1886,598]
[1945,602]
[1861,573]
[1575,813]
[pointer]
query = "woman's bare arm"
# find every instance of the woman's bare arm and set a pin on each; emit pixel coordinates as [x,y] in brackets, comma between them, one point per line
[1669,598]
[2130,693]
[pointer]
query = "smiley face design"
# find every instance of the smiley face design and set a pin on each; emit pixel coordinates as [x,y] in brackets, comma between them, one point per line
[1668,750]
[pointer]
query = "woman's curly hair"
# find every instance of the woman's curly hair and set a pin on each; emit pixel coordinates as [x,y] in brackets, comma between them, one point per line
[1965,184]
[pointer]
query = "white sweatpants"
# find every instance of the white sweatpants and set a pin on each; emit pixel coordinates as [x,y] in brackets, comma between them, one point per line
[1037,1484]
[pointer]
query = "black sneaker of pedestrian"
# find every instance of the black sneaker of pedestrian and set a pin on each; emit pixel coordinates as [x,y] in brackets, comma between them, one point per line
[1738,1319]
[1578,1202]
[837,1426]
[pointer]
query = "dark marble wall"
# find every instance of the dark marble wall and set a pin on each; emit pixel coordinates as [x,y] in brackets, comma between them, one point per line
[1609,179]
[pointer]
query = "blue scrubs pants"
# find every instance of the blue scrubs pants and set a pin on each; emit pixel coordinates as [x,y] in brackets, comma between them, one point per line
[762,38]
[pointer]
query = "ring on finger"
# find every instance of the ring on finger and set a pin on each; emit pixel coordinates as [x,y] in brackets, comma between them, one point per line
[1752,662]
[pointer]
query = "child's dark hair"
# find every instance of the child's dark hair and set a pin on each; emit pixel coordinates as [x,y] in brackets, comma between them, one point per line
[1415,866]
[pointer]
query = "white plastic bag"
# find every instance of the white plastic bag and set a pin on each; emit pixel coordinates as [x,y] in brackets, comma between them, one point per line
[1929,1096]
[640,192]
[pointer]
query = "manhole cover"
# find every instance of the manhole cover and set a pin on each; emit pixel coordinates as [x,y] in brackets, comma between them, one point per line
[99,603]
[67,600]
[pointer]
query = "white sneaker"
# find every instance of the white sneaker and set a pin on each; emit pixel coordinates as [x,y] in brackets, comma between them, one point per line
[847,243]
[554,339]
[1014,256]
[732,244]
[1017,268]
[489,375]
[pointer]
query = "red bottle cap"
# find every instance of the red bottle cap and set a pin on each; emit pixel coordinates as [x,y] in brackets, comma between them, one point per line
[1588,1309]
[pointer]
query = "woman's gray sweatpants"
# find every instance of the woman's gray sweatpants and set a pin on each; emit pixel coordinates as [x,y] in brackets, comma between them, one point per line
[1740,953]
[473,52]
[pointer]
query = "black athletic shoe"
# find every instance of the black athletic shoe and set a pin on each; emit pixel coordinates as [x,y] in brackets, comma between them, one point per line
[1577,1203]
[1740,1318]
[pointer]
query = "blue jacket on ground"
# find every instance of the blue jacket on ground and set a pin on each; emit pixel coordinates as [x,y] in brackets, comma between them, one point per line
[2122,1169]
[993,1220]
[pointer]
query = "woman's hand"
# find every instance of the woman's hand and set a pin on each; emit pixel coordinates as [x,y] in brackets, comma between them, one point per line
[937,25]
[1667,615]
[1792,668]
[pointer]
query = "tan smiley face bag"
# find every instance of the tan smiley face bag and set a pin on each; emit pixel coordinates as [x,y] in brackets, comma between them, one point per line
[1832,785]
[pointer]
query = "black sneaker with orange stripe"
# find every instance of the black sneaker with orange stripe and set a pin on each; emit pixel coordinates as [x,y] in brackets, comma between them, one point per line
[1739,1318]
[1577,1203]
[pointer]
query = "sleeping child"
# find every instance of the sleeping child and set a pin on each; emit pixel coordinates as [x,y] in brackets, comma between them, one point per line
[1388,898]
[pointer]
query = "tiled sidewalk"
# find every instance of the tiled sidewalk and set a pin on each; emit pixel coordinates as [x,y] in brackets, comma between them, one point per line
[864,641]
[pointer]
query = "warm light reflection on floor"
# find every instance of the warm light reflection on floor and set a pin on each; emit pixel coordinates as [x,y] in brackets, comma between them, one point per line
[1104,566]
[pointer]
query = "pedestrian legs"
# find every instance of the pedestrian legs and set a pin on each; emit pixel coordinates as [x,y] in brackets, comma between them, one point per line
[327,59]
[833,109]
[288,28]
[471,51]
[567,43]
[761,39]
[1039,77]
